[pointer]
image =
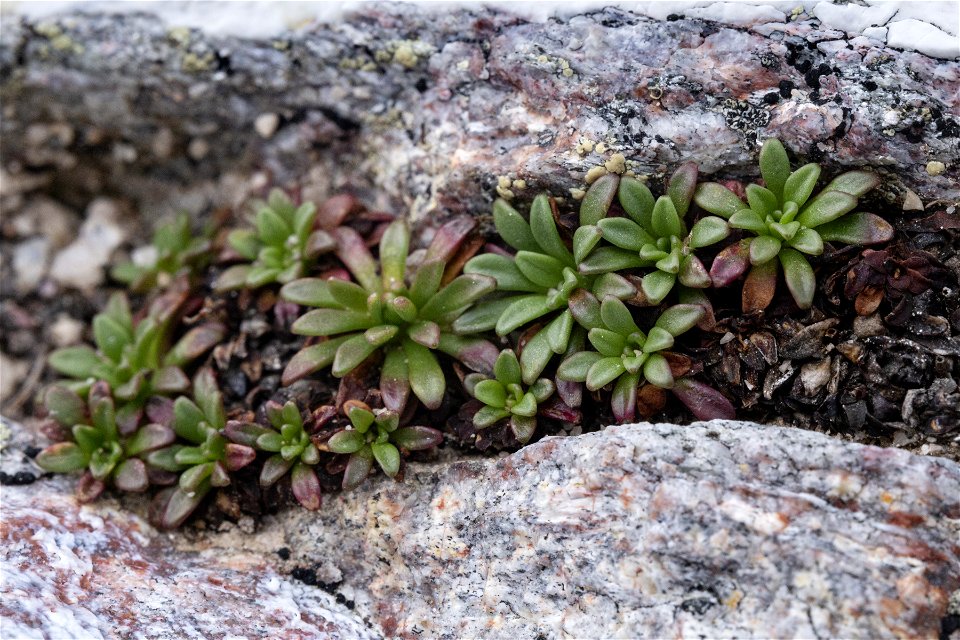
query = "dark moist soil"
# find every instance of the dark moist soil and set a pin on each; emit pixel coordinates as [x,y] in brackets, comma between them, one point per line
[876,360]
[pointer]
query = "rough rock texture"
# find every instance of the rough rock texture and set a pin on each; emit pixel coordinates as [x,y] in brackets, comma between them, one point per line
[714,529]
[101,572]
[431,109]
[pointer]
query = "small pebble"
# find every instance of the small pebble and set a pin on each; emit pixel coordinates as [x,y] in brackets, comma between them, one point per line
[912,202]
[266,125]
[198,149]
[65,331]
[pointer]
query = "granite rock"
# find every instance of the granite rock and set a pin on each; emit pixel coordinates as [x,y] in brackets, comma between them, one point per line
[72,571]
[431,109]
[719,529]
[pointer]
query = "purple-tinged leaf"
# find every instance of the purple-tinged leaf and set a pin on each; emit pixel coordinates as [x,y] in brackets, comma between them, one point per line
[131,476]
[310,359]
[448,238]
[799,277]
[416,438]
[476,353]
[705,402]
[306,486]
[693,273]
[149,438]
[128,417]
[273,469]
[730,263]
[598,198]
[857,228]
[585,308]
[335,210]
[237,456]
[717,199]
[233,278]
[358,468]
[318,243]
[759,287]
[196,476]
[245,433]
[523,427]
[170,380]
[89,488]
[195,343]
[159,410]
[623,401]
[353,252]
[394,380]
[613,284]
[160,477]
[699,298]
[173,506]
[65,406]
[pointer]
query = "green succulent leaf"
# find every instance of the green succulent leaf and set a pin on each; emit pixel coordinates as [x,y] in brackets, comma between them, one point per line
[545,232]
[503,269]
[351,353]
[507,367]
[394,246]
[637,201]
[657,285]
[856,183]
[426,377]
[857,228]
[311,359]
[482,317]
[825,207]
[717,199]
[585,239]
[681,187]
[522,310]
[576,366]
[63,457]
[801,184]
[680,318]
[808,241]
[346,441]
[763,249]
[666,220]
[707,231]
[536,354]
[312,292]
[657,372]
[426,283]
[774,167]
[511,226]
[489,416]
[609,343]
[491,393]
[603,372]
[387,457]
[328,322]
[617,317]
[624,233]
[65,406]
[76,362]
[596,202]
[799,276]
[610,259]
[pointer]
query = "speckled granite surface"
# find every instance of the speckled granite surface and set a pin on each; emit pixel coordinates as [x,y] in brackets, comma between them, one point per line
[710,530]
[71,572]
[431,109]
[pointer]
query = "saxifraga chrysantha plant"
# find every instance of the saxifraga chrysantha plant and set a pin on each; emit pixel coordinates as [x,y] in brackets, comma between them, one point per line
[542,279]
[206,461]
[405,318]
[133,359]
[281,246]
[629,357]
[174,249]
[376,436]
[505,396]
[107,456]
[654,233]
[292,450]
[786,223]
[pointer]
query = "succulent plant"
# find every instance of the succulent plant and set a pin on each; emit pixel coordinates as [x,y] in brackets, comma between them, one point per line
[282,244]
[654,233]
[132,358]
[376,436]
[99,448]
[406,318]
[291,447]
[206,461]
[786,223]
[626,355]
[174,248]
[505,396]
[542,279]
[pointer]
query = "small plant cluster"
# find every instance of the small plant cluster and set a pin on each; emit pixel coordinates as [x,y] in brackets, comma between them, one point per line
[553,318]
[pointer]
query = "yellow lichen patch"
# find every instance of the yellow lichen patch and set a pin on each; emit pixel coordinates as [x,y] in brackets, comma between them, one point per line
[616,164]
[561,66]
[577,194]
[406,53]
[601,147]
[584,146]
[594,173]
[193,63]
[935,168]
[503,187]
[519,184]
[179,35]
[734,600]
